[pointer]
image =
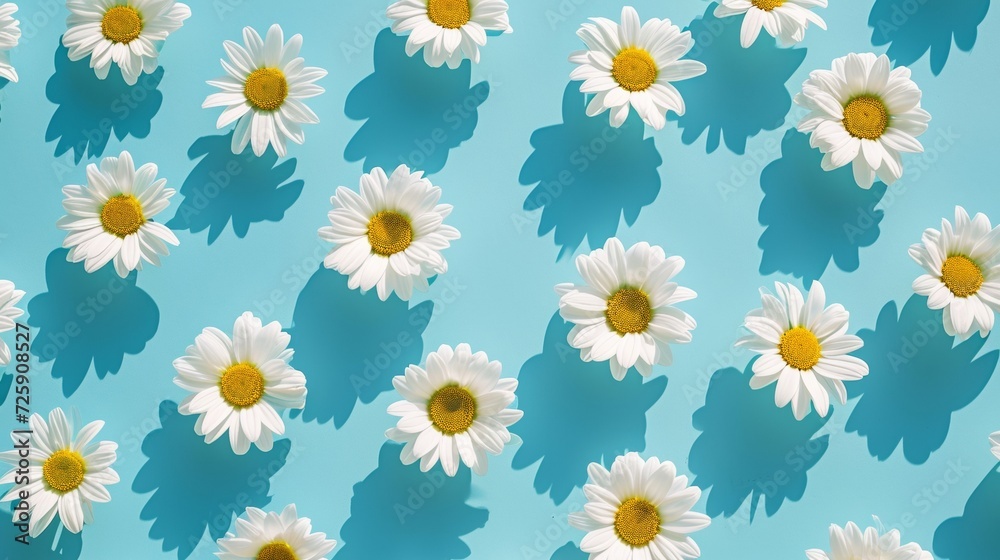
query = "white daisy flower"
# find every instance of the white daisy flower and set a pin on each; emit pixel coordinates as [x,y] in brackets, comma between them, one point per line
[995,443]
[962,272]
[640,510]
[804,346]
[126,32]
[850,543]
[110,218]
[866,112]
[8,313]
[633,65]
[785,20]
[240,385]
[270,536]
[625,312]
[390,236]
[10,33]
[455,410]
[67,470]
[448,30]
[263,90]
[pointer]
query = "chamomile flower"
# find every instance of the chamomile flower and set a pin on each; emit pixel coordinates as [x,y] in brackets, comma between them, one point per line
[850,543]
[995,443]
[67,471]
[804,347]
[866,112]
[10,33]
[111,217]
[962,272]
[263,90]
[273,536]
[240,384]
[785,20]
[455,411]
[8,313]
[448,30]
[128,33]
[391,234]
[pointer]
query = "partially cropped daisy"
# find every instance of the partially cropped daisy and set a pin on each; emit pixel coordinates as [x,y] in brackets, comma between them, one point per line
[263,90]
[10,33]
[272,536]
[625,312]
[448,30]
[391,234]
[240,384]
[633,65]
[863,111]
[8,313]
[785,20]
[455,410]
[962,272]
[67,472]
[639,510]
[128,33]
[995,443]
[850,543]
[111,217]
[804,346]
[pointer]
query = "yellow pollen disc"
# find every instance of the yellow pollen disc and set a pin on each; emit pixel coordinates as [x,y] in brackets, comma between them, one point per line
[767,5]
[800,348]
[866,117]
[277,550]
[637,522]
[63,470]
[629,311]
[122,215]
[242,385]
[266,88]
[121,24]
[450,14]
[452,409]
[634,69]
[389,233]
[962,276]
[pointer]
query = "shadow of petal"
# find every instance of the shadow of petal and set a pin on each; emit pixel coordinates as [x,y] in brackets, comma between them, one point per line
[973,534]
[913,27]
[569,551]
[6,382]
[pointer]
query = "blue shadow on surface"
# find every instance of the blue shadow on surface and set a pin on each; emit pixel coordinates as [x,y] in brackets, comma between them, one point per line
[970,536]
[575,414]
[398,510]
[766,453]
[243,188]
[182,507]
[55,542]
[3,84]
[813,216]
[414,114]
[350,345]
[743,91]
[89,318]
[91,110]
[569,551]
[587,174]
[917,380]
[912,27]
[5,384]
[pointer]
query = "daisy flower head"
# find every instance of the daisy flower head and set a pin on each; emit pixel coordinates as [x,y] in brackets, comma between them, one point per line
[111,217]
[455,410]
[995,443]
[67,471]
[9,297]
[273,536]
[639,510]
[10,33]
[128,33]
[448,30]
[863,111]
[785,20]
[240,384]
[263,90]
[804,347]
[961,272]
[850,543]
[389,236]
[625,312]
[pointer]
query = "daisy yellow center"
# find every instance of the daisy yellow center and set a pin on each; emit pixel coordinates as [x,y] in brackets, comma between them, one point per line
[637,522]
[277,550]
[64,470]
[634,69]
[800,348]
[962,276]
[389,233]
[122,215]
[629,311]
[767,5]
[242,385]
[266,88]
[121,24]
[452,409]
[866,117]
[450,14]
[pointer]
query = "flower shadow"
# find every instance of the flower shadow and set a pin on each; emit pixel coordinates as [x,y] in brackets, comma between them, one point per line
[6,382]
[397,510]
[89,319]
[917,380]
[55,542]
[575,413]
[971,535]
[243,188]
[569,551]
[912,28]
[3,83]
[413,114]
[219,484]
